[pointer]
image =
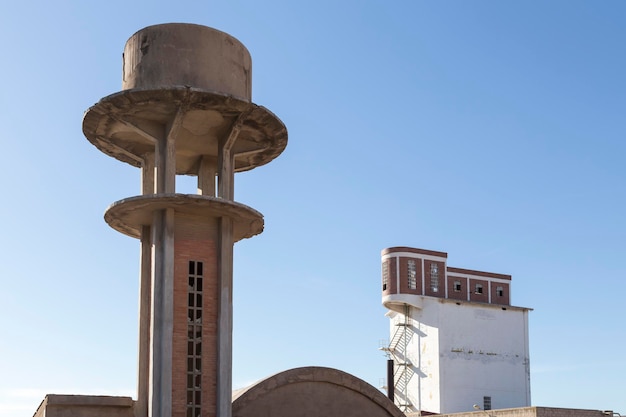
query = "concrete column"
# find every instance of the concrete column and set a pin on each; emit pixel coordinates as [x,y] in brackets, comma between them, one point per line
[165,157]
[160,395]
[206,176]
[170,151]
[226,174]
[226,159]
[145,296]
[148,174]
[225,319]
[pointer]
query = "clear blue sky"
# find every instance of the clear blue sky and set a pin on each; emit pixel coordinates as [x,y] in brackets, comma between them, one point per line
[491,130]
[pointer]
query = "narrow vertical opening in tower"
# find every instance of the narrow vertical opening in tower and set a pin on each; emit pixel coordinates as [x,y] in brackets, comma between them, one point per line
[194,339]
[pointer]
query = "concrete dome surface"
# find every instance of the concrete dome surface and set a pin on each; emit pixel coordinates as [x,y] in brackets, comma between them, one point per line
[312,391]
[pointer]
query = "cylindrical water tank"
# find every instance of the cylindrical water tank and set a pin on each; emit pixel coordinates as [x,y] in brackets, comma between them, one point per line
[177,54]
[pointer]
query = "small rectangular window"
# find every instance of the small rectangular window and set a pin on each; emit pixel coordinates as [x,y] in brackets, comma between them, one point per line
[500,291]
[486,403]
[434,277]
[479,289]
[385,275]
[457,286]
[412,274]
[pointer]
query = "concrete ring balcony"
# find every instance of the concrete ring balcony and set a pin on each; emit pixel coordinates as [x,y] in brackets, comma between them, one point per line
[127,125]
[127,216]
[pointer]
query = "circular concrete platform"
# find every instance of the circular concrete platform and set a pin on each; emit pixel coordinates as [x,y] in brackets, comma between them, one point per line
[126,125]
[130,214]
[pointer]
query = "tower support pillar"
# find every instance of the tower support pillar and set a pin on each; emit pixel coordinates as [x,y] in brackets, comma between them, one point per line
[160,402]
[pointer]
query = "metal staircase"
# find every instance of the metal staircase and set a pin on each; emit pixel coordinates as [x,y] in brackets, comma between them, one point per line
[397,350]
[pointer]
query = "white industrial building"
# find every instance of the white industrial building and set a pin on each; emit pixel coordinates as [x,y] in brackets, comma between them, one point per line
[456,344]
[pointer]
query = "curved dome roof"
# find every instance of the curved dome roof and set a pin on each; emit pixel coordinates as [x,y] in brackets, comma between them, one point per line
[312,391]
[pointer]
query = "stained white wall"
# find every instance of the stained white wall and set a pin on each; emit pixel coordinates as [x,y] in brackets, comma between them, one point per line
[461,353]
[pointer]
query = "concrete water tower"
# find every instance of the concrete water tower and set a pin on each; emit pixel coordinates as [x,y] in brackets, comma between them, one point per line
[185,109]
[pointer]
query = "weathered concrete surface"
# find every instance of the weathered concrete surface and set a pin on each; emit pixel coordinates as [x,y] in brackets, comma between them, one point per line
[130,214]
[313,391]
[187,55]
[84,406]
[126,125]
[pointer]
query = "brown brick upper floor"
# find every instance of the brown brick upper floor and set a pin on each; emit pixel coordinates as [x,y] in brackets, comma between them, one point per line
[425,272]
